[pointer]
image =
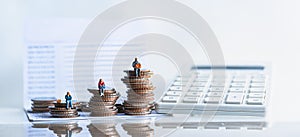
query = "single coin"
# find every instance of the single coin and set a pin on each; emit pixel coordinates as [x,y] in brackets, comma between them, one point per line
[66,116]
[43,99]
[62,110]
[108,91]
[40,109]
[98,103]
[132,113]
[135,104]
[136,110]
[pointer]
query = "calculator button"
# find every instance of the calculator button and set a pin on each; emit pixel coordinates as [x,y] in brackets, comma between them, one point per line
[198,94]
[217,84]
[202,77]
[177,88]
[190,99]
[174,93]
[177,84]
[257,90]
[212,99]
[216,89]
[201,80]
[258,80]
[183,79]
[237,84]
[236,90]
[239,80]
[170,99]
[197,89]
[257,85]
[256,95]
[203,74]
[215,94]
[255,101]
[199,84]
[259,76]
[235,98]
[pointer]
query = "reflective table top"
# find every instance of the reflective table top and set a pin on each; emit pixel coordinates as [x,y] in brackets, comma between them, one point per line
[15,124]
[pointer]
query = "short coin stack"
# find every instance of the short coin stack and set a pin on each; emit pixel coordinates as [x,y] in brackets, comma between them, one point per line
[60,111]
[102,106]
[42,104]
[140,97]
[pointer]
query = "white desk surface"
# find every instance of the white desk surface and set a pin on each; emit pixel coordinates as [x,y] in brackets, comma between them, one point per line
[13,122]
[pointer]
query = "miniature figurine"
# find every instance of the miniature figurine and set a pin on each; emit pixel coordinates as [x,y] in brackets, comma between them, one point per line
[137,66]
[101,86]
[68,98]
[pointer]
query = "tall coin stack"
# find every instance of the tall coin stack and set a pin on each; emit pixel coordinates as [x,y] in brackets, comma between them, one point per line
[60,111]
[42,104]
[102,106]
[140,96]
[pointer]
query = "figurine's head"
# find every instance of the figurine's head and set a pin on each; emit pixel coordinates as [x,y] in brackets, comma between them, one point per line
[68,93]
[100,80]
[135,59]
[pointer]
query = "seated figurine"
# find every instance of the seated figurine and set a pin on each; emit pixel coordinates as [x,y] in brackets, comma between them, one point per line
[68,98]
[101,86]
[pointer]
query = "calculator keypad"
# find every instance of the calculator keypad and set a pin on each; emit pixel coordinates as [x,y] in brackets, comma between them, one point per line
[202,88]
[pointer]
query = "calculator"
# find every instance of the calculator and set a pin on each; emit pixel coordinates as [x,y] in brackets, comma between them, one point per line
[218,90]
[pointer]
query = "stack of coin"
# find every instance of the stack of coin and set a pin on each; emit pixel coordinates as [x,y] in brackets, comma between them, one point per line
[138,129]
[103,105]
[60,110]
[65,129]
[103,130]
[42,104]
[140,97]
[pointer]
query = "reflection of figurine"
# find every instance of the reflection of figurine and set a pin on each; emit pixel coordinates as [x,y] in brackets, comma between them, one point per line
[137,66]
[68,98]
[101,86]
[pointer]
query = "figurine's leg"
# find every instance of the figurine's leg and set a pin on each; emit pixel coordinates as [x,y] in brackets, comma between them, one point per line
[102,92]
[136,72]
[71,106]
[139,71]
[67,106]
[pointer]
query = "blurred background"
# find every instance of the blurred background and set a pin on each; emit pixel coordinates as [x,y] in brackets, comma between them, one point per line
[248,30]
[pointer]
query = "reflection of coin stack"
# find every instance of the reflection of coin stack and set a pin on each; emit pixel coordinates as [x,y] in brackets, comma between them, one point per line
[140,98]
[138,129]
[103,130]
[60,110]
[42,104]
[66,129]
[103,105]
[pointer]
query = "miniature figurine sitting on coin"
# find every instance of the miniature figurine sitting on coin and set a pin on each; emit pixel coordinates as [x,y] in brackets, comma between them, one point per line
[101,86]
[68,98]
[137,66]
